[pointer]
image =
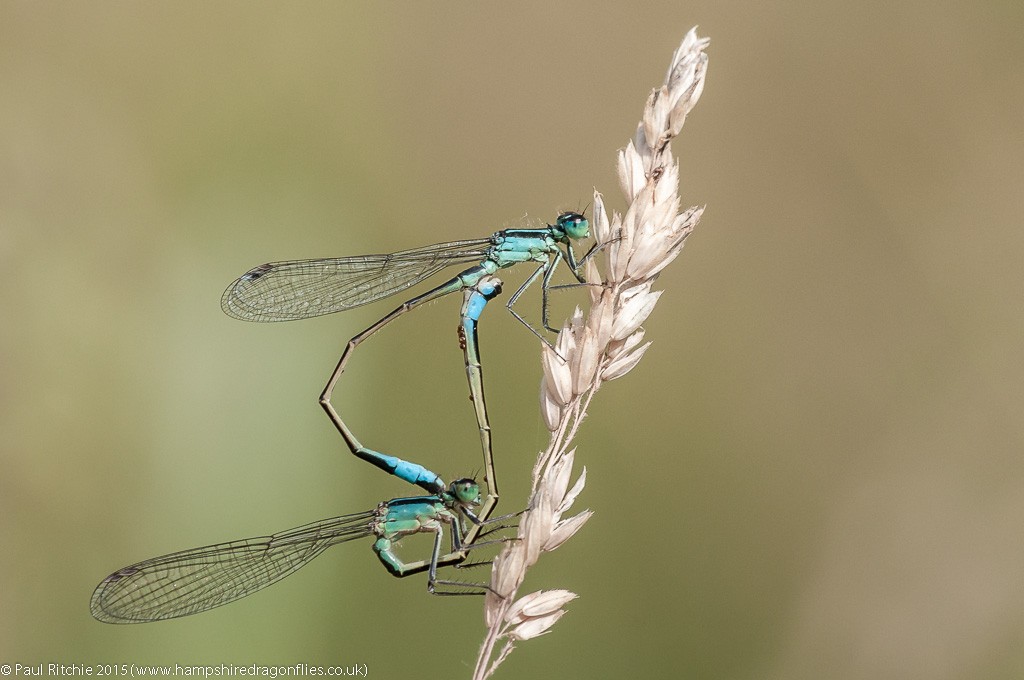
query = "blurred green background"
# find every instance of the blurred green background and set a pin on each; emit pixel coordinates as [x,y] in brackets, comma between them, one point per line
[816,472]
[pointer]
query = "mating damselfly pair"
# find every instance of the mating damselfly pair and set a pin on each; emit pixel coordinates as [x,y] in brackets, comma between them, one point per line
[195,580]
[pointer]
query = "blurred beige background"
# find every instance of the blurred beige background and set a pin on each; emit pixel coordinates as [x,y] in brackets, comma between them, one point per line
[816,472]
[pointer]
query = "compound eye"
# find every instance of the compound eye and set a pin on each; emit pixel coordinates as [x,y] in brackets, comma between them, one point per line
[579,228]
[466,490]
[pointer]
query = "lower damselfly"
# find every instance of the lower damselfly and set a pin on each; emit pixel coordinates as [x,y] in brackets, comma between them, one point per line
[193,581]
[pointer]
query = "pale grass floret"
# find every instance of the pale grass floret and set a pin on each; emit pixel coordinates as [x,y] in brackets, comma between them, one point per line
[601,345]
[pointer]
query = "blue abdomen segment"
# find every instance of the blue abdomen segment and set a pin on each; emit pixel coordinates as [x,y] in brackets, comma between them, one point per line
[414,473]
[484,292]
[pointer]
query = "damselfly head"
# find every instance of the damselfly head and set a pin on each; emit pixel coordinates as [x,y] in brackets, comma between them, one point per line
[465,491]
[574,225]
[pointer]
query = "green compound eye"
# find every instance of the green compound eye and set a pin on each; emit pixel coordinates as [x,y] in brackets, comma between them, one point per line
[575,225]
[466,490]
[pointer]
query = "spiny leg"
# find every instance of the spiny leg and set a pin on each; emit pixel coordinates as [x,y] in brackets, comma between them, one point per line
[489,528]
[463,546]
[542,269]
[433,582]
[548,269]
[544,285]
[575,267]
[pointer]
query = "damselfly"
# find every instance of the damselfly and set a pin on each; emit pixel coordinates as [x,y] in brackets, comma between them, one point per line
[193,581]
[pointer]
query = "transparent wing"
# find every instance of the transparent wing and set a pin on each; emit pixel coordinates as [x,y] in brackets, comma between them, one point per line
[193,581]
[283,291]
